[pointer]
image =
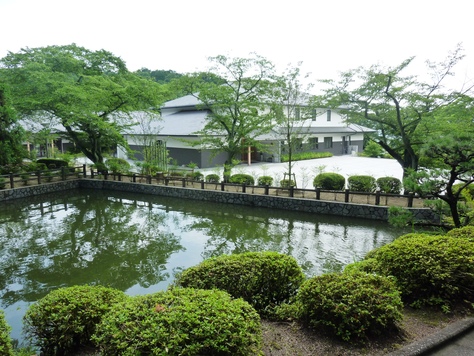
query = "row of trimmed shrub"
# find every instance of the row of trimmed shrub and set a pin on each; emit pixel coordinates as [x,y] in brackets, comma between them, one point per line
[326,181]
[215,306]
[358,183]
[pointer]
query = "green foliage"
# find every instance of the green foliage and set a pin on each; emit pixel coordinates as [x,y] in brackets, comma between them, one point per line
[400,217]
[242,179]
[2,183]
[264,279]
[88,93]
[373,149]
[66,318]
[361,183]
[429,270]
[52,163]
[181,321]
[197,176]
[265,180]
[237,103]
[117,165]
[12,135]
[301,156]
[353,305]
[6,348]
[287,183]
[466,232]
[329,181]
[389,185]
[466,190]
[213,178]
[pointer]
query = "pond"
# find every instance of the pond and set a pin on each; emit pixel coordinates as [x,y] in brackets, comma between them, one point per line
[137,243]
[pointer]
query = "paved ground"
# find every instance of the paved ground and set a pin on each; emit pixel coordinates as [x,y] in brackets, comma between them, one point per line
[455,340]
[305,171]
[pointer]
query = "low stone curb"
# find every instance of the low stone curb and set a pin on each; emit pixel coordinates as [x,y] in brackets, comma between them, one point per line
[444,336]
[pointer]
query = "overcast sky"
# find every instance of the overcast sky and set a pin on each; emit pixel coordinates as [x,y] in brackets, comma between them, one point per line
[327,36]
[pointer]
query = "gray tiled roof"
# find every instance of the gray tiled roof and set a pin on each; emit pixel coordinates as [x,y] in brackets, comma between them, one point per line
[184,101]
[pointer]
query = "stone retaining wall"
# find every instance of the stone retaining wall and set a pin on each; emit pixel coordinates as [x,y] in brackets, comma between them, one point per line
[33,190]
[266,201]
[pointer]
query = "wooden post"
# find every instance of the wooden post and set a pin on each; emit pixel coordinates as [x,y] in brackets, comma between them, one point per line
[346,196]
[318,193]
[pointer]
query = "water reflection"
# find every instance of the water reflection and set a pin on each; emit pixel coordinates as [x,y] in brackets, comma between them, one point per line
[136,243]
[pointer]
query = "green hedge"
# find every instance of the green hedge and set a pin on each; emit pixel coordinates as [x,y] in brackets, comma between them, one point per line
[197,176]
[264,279]
[66,318]
[181,322]
[6,348]
[265,180]
[429,269]
[213,178]
[241,178]
[300,156]
[354,305]
[361,183]
[53,163]
[466,232]
[389,185]
[117,165]
[329,181]
[287,183]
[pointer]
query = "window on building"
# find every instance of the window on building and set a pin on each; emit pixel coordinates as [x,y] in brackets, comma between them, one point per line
[313,143]
[328,142]
[297,113]
[313,114]
[328,115]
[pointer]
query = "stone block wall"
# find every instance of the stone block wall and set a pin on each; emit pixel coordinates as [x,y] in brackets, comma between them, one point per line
[265,201]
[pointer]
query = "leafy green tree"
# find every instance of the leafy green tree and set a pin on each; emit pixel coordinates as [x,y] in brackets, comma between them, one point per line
[394,104]
[448,163]
[11,133]
[236,93]
[291,104]
[160,76]
[89,94]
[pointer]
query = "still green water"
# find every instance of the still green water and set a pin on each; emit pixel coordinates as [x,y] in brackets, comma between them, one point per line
[136,243]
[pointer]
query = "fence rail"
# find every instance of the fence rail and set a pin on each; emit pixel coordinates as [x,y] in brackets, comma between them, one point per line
[12,180]
[346,196]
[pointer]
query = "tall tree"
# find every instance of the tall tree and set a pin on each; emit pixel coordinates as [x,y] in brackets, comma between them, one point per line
[11,134]
[90,94]
[393,104]
[448,158]
[294,112]
[236,93]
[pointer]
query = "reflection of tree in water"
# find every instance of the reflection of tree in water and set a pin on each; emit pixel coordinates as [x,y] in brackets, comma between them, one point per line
[318,247]
[104,241]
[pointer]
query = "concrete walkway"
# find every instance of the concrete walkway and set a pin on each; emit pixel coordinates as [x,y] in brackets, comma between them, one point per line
[305,171]
[456,339]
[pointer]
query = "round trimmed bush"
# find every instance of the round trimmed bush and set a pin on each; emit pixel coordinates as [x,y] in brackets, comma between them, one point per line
[361,183]
[352,305]
[66,318]
[389,185]
[117,165]
[6,348]
[213,178]
[287,183]
[329,181]
[181,321]
[197,176]
[265,180]
[264,279]
[53,163]
[241,178]
[466,232]
[429,269]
